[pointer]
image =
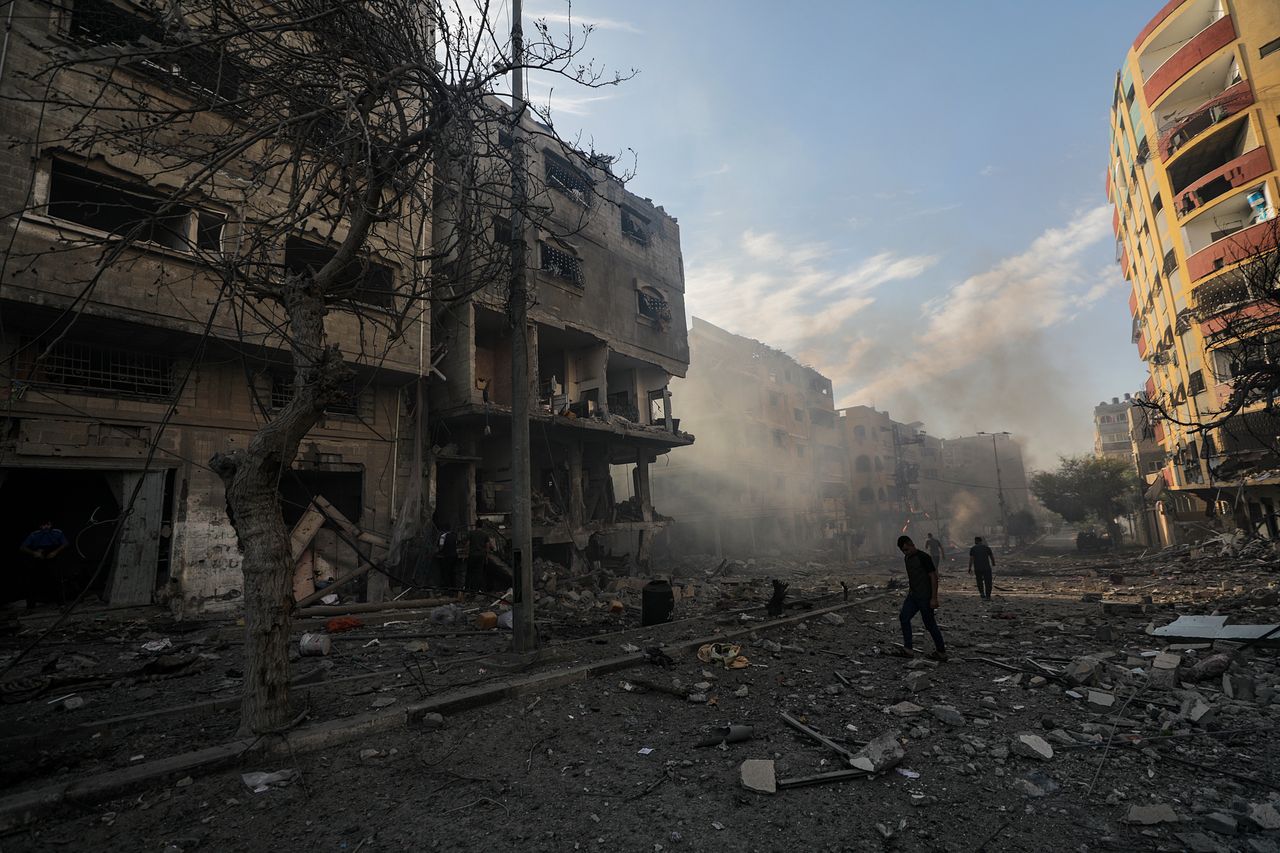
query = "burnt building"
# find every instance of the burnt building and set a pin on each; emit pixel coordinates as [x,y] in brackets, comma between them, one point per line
[126,367]
[768,473]
[606,336]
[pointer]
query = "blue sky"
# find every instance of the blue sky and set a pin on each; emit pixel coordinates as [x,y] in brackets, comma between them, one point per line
[908,195]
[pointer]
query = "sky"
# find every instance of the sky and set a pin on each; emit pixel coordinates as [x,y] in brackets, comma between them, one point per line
[907,196]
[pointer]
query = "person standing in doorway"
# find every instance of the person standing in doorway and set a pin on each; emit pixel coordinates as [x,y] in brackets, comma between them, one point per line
[447,556]
[478,547]
[981,559]
[934,546]
[922,598]
[42,547]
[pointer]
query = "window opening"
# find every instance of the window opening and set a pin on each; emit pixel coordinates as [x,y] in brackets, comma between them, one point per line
[562,264]
[361,280]
[568,180]
[89,368]
[98,201]
[635,226]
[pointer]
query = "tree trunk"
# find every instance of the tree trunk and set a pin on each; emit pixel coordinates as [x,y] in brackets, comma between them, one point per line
[252,480]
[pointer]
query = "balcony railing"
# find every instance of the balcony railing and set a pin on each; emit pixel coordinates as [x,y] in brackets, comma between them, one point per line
[1177,133]
[1232,248]
[1235,174]
[1203,45]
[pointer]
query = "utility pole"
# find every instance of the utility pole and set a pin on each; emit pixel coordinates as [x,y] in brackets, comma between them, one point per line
[524,636]
[1004,512]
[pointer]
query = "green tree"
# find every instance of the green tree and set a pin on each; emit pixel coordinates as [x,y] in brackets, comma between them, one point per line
[1087,488]
[1023,525]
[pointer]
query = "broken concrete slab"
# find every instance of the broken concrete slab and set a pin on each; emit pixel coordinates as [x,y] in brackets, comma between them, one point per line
[948,715]
[1099,699]
[1221,823]
[882,753]
[757,774]
[1035,785]
[1264,816]
[1212,628]
[904,709]
[1198,842]
[1081,672]
[917,681]
[833,618]
[1030,745]
[1151,815]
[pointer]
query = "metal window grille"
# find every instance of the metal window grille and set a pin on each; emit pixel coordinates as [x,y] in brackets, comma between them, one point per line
[635,226]
[561,264]
[568,180]
[282,393]
[92,369]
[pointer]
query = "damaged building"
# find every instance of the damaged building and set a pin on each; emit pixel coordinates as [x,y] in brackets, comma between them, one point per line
[126,371]
[606,336]
[768,473]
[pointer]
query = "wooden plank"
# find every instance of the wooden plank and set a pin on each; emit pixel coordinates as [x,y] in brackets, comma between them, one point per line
[304,531]
[336,516]
[365,566]
[133,577]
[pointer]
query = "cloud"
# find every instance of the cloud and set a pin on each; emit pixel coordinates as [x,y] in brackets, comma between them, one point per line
[584,20]
[802,297]
[988,170]
[577,102]
[722,169]
[982,357]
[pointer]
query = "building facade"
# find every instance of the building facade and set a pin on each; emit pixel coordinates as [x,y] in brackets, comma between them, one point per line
[1192,174]
[607,335]
[1111,428]
[126,371]
[768,472]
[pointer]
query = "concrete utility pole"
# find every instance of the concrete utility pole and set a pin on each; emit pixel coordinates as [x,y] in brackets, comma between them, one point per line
[524,636]
[1004,512]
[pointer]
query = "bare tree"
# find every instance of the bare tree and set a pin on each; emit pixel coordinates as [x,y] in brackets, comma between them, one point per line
[329,126]
[1239,315]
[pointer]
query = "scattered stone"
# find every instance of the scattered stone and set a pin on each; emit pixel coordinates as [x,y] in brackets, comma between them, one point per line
[905,709]
[73,703]
[1151,815]
[1035,785]
[698,698]
[917,681]
[430,721]
[882,753]
[948,715]
[1198,842]
[1264,816]
[1081,672]
[417,646]
[184,782]
[369,754]
[1101,700]
[1211,667]
[1038,681]
[757,774]
[382,702]
[1031,746]
[1201,713]
[833,618]
[741,692]
[1104,633]
[1221,823]
[771,646]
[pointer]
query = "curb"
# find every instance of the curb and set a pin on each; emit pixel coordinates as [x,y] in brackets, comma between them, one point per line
[27,807]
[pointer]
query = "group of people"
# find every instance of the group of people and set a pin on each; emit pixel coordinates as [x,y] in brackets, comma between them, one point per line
[477,571]
[922,586]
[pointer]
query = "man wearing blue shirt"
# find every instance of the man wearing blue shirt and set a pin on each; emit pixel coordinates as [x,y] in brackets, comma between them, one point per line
[42,546]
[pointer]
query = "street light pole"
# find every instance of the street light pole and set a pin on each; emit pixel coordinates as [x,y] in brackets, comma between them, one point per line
[1004,512]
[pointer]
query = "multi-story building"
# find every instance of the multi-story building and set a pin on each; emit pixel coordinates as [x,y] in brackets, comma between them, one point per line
[1111,428]
[607,335]
[125,369]
[987,481]
[1148,461]
[1193,176]
[768,471]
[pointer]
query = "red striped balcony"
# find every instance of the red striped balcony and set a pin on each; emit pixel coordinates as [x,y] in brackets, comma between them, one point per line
[1133,304]
[1124,263]
[1142,345]
[1161,16]
[1205,43]
[1151,388]
[1243,170]
[1243,244]
[1233,99]
[1158,431]
[1115,211]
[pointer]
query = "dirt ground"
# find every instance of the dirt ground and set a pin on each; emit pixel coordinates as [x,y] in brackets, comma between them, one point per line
[609,764]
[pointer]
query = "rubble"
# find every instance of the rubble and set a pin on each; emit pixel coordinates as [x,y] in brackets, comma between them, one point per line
[1030,745]
[882,753]
[1151,815]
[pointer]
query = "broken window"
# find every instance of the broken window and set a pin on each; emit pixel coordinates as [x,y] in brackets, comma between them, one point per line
[562,264]
[798,415]
[862,463]
[119,208]
[777,437]
[650,303]
[571,181]
[1196,383]
[635,226]
[361,280]
[194,68]
[866,496]
[93,369]
[774,398]
[282,393]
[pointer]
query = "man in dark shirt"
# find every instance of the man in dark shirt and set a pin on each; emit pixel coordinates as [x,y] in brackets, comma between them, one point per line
[934,547]
[42,547]
[981,559]
[922,597]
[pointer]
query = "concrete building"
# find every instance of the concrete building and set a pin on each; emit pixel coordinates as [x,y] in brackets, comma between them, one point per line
[981,471]
[1111,428]
[1148,461]
[1192,172]
[105,362]
[607,335]
[768,471]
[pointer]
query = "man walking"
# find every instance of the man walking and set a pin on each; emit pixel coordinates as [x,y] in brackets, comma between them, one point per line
[43,570]
[934,547]
[922,597]
[981,559]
